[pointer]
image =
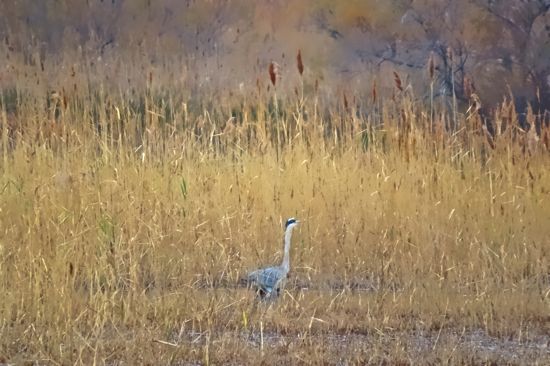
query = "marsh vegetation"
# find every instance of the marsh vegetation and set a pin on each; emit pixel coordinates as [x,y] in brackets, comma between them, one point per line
[133,201]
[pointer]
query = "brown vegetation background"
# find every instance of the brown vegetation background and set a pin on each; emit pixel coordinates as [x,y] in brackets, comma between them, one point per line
[226,45]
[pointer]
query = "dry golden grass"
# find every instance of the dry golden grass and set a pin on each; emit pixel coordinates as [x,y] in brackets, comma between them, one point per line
[128,220]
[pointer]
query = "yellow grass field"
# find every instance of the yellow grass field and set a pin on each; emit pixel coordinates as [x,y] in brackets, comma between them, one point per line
[128,219]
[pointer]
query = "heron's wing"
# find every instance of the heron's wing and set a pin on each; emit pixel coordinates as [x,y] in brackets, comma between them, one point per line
[267,278]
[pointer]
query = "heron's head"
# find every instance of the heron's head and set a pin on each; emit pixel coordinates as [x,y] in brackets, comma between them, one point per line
[290,223]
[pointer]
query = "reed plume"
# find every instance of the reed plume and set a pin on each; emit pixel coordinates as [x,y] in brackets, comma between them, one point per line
[373,91]
[273,73]
[398,83]
[431,67]
[299,62]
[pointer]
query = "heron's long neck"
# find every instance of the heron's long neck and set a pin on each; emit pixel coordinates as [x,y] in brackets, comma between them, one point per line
[286,257]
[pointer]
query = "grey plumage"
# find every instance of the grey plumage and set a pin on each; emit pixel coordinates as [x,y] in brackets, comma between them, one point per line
[269,281]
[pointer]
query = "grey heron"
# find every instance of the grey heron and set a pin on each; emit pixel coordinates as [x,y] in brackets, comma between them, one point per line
[270,280]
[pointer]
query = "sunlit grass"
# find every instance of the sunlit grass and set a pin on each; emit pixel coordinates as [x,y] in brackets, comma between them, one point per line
[126,225]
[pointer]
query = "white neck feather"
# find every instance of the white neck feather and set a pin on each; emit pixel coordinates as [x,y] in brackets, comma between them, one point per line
[286,257]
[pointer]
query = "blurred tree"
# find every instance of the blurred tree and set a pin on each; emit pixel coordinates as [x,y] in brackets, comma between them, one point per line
[497,43]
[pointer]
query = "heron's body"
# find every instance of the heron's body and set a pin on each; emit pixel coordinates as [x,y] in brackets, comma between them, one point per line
[270,280]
